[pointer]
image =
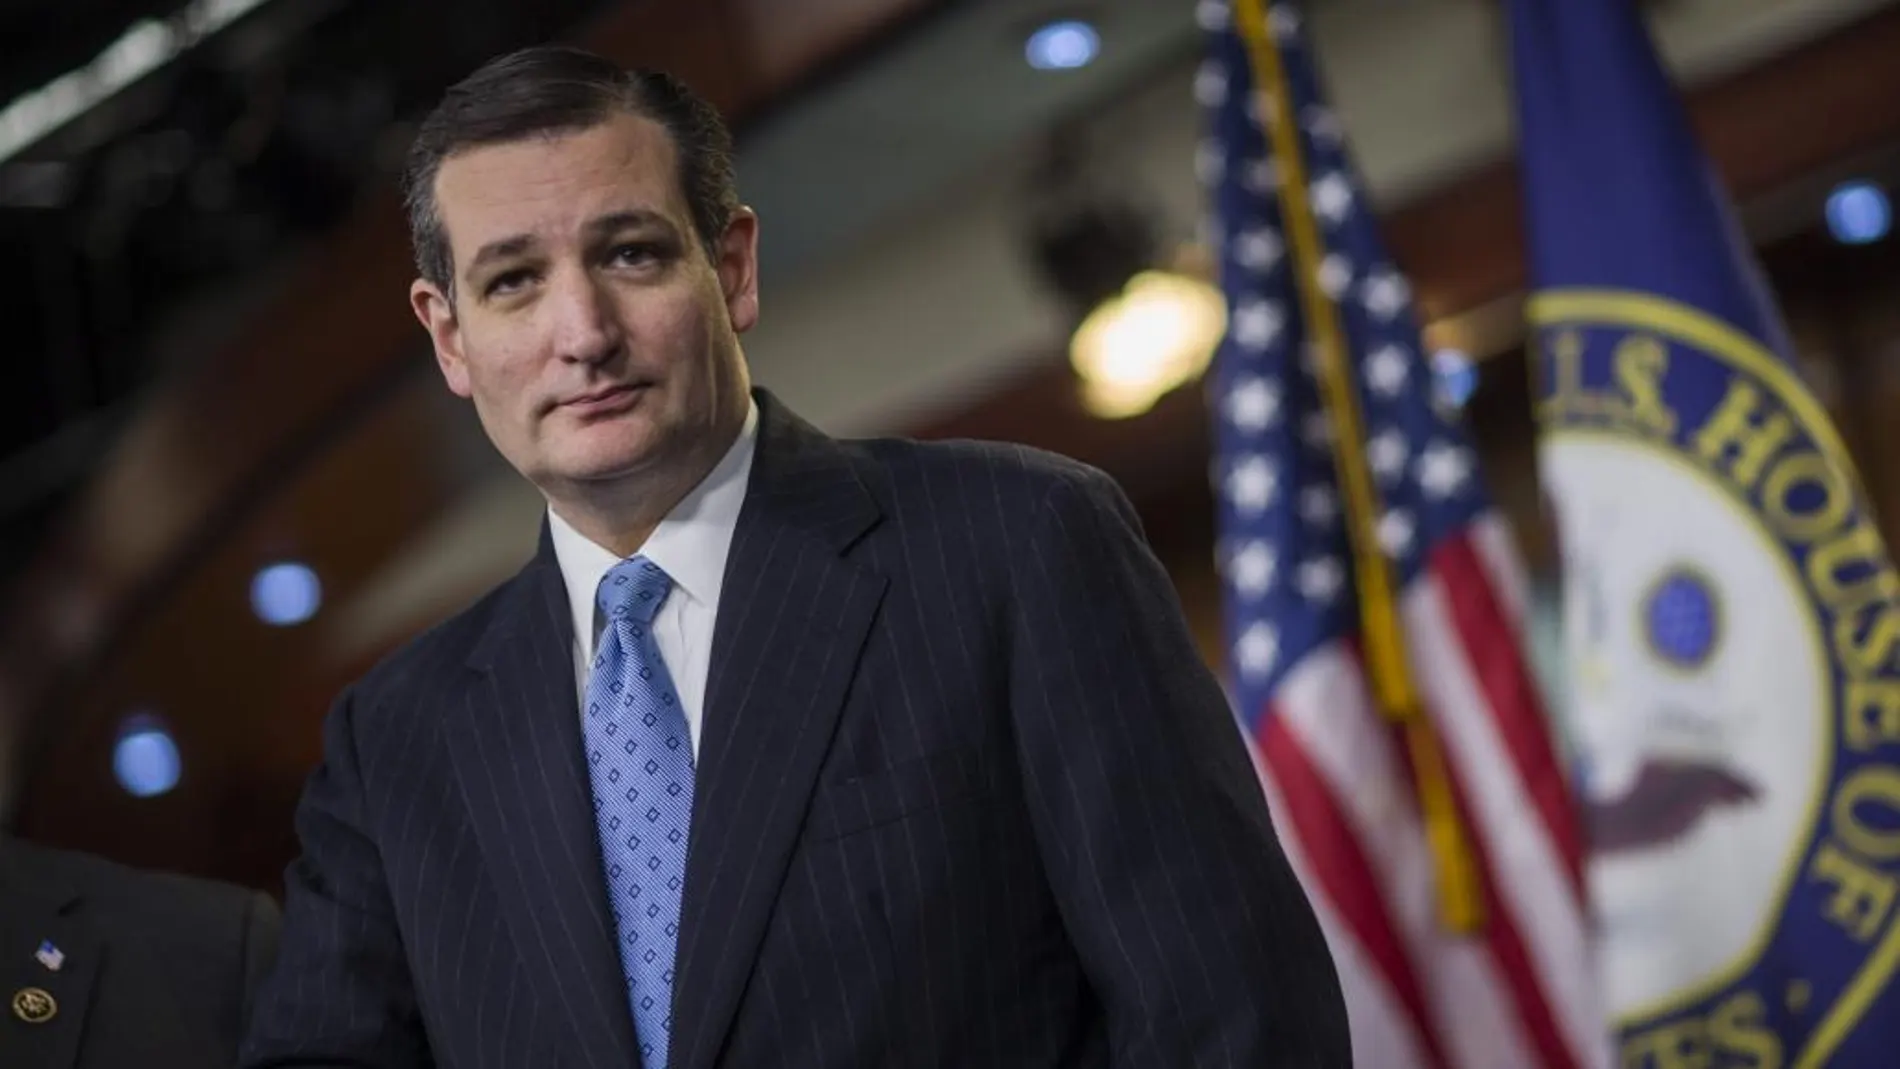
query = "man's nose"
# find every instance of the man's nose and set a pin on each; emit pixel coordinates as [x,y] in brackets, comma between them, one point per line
[586,328]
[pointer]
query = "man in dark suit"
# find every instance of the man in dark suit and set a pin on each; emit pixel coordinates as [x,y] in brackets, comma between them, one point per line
[107,967]
[782,750]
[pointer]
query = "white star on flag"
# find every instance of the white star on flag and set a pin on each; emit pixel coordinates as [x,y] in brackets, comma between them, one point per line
[1260,109]
[1335,274]
[1251,485]
[1323,125]
[1210,84]
[1251,569]
[1396,529]
[1283,21]
[1386,294]
[1320,579]
[1318,505]
[1260,176]
[1258,249]
[1253,404]
[1212,15]
[1257,322]
[1386,370]
[1332,198]
[1387,454]
[1257,650]
[1443,469]
[1317,430]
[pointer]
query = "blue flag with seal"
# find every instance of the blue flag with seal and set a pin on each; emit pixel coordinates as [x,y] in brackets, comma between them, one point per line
[1731,617]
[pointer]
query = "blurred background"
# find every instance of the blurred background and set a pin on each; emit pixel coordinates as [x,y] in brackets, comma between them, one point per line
[230,477]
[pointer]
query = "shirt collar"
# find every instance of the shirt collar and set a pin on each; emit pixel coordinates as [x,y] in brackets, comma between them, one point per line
[690,544]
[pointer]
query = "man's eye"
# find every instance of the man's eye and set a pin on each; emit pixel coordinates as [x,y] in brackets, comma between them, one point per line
[507,282]
[634,255]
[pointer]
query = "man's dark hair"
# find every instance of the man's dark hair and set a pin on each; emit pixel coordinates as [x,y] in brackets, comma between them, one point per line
[551,90]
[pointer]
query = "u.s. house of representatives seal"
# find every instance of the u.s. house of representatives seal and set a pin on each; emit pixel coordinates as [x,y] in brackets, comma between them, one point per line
[1732,629]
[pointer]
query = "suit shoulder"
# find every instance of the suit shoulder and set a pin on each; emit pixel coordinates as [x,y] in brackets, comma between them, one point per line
[156,901]
[1008,470]
[443,645]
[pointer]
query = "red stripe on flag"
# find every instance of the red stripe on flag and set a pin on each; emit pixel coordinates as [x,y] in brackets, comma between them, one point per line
[1507,949]
[1339,865]
[1491,649]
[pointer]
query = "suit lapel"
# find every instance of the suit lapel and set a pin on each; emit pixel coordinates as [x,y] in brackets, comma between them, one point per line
[793,618]
[30,915]
[519,757]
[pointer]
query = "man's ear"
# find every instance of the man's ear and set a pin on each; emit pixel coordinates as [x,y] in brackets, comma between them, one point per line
[738,267]
[436,311]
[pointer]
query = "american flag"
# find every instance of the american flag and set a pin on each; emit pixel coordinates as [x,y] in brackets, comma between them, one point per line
[1519,990]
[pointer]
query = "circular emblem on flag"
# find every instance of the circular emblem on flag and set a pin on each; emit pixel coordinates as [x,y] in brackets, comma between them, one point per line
[1681,616]
[1732,634]
[1700,746]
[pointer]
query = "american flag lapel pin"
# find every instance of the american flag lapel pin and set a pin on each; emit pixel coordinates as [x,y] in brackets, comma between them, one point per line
[50,956]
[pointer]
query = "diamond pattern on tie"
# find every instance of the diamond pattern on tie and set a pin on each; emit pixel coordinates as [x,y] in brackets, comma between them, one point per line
[640,764]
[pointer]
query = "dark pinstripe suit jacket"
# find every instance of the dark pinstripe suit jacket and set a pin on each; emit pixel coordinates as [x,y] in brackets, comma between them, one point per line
[966,797]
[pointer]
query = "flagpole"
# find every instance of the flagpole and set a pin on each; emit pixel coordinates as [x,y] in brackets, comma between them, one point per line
[1460,900]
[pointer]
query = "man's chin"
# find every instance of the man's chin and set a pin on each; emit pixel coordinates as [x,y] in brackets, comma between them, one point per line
[603,472]
[623,452]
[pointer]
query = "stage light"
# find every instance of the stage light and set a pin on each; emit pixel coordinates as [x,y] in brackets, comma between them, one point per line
[286,594]
[1135,347]
[145,759]
[1062,46]
[1858,213]
[144,47]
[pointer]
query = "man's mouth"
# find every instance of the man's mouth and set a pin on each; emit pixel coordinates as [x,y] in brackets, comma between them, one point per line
[604,400]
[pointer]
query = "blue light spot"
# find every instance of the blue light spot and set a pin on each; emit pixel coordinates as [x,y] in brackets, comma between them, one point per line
[145,759]
[1858,213]
[1456,376]
[1062,46]
[286,594]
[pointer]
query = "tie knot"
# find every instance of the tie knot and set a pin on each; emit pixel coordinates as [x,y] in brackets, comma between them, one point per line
[633,590]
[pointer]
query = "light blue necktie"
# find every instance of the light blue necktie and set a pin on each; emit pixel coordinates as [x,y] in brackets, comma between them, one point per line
[640,760]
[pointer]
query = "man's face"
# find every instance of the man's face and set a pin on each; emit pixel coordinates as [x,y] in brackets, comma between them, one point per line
[588,325]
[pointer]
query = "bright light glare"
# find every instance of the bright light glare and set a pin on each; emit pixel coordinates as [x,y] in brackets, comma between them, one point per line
[143,48]
[145,759]
[1158,333]
[1062,46]
[286,594]
[1858,213]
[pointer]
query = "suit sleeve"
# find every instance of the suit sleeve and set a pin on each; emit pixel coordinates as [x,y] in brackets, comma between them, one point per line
[263,925]
[1188,919]
[340,992]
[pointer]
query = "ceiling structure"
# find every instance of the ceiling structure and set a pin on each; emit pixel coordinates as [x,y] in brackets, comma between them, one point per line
[211,142]
[891,148]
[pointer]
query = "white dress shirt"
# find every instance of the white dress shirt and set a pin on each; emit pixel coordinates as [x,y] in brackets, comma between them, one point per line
[690,545]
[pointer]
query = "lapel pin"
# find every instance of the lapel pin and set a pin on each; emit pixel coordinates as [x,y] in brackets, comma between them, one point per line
[50,956]
[34,1005]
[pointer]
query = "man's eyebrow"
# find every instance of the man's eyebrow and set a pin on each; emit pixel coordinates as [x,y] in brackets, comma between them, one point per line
[499,249]
[630,219]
